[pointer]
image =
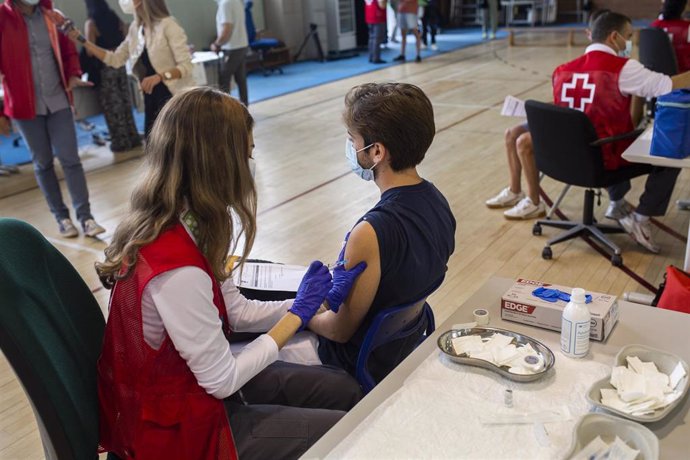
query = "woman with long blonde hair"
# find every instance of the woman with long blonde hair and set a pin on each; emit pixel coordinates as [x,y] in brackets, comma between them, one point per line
[169,384]
[156,49]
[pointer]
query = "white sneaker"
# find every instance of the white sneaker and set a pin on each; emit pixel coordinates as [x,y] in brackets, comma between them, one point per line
[505,199]
[434,46]
[525,209]
[422,46]
[91,228]
[618,211]
[67,228]
[640,232]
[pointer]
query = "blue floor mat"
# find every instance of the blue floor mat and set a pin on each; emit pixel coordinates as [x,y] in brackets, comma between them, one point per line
[307,74]
[295,77]
[13,149]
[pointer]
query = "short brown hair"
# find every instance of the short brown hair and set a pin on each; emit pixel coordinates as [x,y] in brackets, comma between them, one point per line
[398,115]
[606,23]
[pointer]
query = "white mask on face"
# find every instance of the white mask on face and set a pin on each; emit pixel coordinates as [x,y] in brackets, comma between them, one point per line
[351,154]
[31,2]
[127,6]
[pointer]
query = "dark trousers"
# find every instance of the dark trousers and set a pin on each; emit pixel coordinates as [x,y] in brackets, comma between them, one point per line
[377,32]
[153,103]
[429,22]
[287,407]
[233,64]
[657,191]
[113,92]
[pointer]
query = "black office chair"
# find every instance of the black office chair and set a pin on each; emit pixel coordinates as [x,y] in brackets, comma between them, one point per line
[260,46]
[657,54]
[566,148]
[656,51]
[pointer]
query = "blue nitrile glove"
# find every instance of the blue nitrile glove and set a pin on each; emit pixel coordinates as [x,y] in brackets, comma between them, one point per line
[311,292]
[553,295]
[342,283]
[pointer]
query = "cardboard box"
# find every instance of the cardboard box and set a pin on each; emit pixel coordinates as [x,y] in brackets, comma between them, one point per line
[519,305]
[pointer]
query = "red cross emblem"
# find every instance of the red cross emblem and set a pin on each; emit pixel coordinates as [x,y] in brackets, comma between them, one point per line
[578,92]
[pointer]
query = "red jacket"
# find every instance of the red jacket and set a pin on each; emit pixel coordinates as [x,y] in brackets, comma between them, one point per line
[373,13]
[677,29]
[590,84]
[151,405]
[15,60]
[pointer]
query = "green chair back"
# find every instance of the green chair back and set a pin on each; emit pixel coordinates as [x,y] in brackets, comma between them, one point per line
[51,331]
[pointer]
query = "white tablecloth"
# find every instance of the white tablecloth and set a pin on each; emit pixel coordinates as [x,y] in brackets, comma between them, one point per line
[441,403]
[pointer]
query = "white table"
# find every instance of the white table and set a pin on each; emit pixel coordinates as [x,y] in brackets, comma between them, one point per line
[638,152]
[662,329]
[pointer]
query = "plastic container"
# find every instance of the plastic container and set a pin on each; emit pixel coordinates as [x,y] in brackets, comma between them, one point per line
[664,361]
[575,325]
[608,427]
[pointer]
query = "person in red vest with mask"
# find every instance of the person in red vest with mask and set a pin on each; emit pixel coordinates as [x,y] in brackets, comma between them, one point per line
[677,28]
[601,83]
[169,385]
[375,16]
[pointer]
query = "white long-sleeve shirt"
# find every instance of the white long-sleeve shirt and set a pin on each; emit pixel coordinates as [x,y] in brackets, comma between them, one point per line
[166,44]
[635,79]
[180,302]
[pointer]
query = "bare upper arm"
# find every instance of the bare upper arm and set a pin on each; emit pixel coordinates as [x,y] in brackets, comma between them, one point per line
[362,246]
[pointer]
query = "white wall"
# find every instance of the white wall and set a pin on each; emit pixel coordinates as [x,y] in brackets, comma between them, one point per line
[197,17]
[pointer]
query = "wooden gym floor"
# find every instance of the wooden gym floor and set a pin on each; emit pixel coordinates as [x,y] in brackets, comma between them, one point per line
[308,199]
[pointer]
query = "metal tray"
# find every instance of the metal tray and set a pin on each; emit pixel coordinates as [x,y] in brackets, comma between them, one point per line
[664,361]
[446,346]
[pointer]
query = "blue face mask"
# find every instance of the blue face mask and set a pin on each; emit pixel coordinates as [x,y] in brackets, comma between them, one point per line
[351,154]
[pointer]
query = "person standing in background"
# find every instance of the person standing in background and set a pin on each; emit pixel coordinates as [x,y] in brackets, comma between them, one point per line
[375,16]
[430,22]
[394,6]
[678,29]
[233,42]
[155,46]
[407,21]
[39,69]
[489,18]
[105,28]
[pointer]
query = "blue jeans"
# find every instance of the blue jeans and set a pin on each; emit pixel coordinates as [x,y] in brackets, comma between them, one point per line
[50,134]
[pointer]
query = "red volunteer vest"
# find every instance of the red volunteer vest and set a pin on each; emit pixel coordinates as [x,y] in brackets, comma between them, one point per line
[373,13]
[677,30]
[151,406]
[590,84]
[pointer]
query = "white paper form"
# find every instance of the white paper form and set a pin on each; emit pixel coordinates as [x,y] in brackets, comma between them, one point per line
[513,107]
[269,277]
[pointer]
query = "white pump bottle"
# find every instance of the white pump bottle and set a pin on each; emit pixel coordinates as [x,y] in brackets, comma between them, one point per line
[575,326]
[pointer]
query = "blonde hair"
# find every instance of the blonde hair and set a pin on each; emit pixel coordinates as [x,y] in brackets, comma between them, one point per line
[151,11]
[197,158]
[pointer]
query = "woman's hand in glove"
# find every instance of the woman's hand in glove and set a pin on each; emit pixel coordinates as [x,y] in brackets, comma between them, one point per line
[312,291]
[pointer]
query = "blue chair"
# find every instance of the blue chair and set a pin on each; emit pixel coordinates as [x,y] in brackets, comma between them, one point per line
[392,324]
[260,46]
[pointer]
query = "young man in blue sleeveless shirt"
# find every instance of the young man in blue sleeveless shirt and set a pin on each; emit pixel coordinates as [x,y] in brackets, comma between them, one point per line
[405,240]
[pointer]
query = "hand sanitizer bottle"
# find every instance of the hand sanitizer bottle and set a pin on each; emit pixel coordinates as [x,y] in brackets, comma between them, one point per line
[575,326]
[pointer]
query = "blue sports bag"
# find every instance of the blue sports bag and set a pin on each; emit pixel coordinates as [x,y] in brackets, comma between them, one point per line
[671,137]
